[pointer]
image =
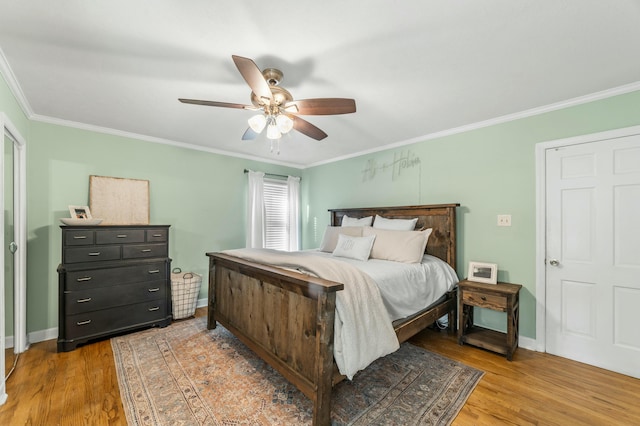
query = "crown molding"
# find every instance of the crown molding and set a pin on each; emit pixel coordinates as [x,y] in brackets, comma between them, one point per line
[604,94]
[153,139]
[14,86]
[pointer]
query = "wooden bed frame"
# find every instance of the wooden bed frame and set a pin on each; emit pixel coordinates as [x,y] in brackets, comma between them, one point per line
[287,318]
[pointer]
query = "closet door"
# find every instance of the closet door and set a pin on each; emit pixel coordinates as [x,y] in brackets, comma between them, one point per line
[8,233]
[13,239]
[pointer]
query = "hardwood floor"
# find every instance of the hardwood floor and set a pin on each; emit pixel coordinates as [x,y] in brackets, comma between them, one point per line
[80,387]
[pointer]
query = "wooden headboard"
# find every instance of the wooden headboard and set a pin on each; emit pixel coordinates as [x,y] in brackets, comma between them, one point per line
[440,217]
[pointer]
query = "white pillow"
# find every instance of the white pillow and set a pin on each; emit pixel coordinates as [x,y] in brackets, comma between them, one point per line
[395,224]
[398,246]
[354,221]
[354,247]
[330,237]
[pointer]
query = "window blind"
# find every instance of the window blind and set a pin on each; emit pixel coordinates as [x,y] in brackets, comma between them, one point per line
[276,214]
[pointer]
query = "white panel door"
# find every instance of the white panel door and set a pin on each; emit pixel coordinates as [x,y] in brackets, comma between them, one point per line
[593,253]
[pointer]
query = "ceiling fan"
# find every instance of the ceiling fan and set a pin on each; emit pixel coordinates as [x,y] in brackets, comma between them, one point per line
[278,110]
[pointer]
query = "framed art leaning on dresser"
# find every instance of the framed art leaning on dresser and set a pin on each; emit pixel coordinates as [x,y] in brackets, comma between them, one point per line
[119,201]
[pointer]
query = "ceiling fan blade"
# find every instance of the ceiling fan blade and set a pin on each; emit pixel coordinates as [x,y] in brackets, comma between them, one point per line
[216,104]
[254,78]
[307,128]
[249,134]
[321,106]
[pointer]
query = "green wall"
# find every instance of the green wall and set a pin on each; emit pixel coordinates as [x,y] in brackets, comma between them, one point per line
[489,171]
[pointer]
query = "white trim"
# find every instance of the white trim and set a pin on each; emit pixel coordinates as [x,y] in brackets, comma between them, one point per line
[43,335]
[527,343]
[541,238]
[13,84]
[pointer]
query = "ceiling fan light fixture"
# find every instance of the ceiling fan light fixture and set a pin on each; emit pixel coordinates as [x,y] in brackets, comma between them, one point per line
[272,131]
[257,123]
[285,124]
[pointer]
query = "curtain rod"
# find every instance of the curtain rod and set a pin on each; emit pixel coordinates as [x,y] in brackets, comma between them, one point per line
[272,174]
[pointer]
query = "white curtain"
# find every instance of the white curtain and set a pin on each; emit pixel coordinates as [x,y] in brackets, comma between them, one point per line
[256,230]
[293,187]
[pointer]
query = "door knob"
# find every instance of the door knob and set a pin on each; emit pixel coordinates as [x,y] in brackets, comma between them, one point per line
[554,262]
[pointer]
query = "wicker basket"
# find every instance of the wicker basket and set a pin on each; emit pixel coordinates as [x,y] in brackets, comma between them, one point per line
[184,293]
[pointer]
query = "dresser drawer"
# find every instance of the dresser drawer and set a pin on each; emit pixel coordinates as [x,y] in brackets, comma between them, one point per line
[120,236]
[83,237]
[91,254]
[141,251]
[157,235]
[113,320]
[484,300]
[108,297]
[94,278]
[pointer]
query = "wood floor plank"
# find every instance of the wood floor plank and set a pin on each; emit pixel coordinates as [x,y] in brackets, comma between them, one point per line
[81,387]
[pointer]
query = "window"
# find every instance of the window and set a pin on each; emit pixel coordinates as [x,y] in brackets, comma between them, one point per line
[276,207]
[273,212]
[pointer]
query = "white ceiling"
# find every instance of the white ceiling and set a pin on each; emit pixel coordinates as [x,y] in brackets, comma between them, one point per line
[415,67]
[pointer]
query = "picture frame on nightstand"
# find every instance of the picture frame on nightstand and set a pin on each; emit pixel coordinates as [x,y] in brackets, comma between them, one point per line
[482,272]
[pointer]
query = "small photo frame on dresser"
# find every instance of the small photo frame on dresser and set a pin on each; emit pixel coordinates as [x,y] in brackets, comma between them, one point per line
[483,272]
[80,212]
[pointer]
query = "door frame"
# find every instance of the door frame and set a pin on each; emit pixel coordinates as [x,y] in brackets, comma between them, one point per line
[20,343]
[541,214]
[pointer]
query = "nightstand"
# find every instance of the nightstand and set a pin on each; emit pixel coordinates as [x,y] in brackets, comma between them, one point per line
[504,297]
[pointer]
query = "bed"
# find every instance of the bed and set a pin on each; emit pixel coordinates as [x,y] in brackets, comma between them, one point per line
[287,317]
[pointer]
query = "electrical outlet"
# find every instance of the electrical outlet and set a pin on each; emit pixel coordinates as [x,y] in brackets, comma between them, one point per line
[504,220]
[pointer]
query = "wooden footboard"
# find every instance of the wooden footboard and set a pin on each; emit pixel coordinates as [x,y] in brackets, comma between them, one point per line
[285,317]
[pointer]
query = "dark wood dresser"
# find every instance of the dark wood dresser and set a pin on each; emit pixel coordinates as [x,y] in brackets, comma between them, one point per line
[112,279]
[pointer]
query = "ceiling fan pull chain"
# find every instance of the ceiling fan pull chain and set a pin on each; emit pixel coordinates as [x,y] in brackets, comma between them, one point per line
[277,145]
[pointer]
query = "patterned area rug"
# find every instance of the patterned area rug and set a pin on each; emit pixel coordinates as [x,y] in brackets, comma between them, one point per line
[185,374]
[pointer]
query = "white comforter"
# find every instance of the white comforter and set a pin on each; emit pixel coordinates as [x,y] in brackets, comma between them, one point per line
[362,330]
[407,288]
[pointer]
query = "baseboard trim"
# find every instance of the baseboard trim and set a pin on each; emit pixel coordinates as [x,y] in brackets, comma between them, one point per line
[527,343]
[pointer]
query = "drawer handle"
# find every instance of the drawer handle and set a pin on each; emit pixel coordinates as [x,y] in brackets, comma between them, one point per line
[155,271]
[79,237]
[121,236]
[483,298]
[95,253]
[153,290]
[84,322]
[145,250]
[88,299]
[157,235]
[155,308]
[81,279]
